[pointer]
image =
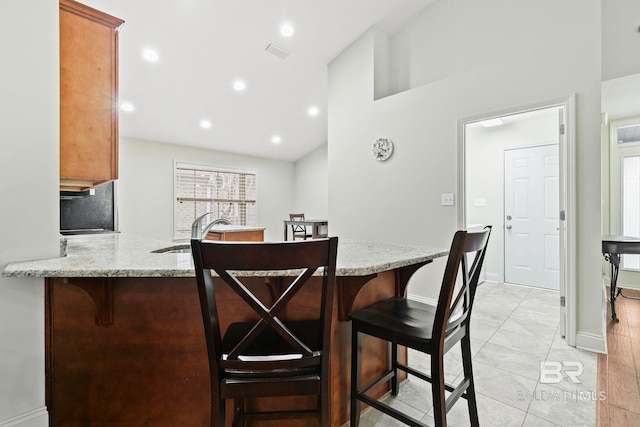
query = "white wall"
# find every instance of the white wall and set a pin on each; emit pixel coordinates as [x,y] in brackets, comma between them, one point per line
[620,75]
[620,38]
[311,184]
[461,58]
[485,175]
[145,186]
[29,220]
[620,89]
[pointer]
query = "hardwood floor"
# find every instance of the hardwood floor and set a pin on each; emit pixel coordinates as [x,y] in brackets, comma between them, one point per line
[619,370]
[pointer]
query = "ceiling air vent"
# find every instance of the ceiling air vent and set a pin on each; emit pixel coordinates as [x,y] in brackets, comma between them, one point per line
[276,50]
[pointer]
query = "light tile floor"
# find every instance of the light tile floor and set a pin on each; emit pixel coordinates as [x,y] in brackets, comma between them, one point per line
[514,329]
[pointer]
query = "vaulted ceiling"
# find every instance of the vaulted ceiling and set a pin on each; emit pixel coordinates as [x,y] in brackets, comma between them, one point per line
[204,46]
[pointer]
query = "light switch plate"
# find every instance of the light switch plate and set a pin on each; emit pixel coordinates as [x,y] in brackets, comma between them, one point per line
[448,199]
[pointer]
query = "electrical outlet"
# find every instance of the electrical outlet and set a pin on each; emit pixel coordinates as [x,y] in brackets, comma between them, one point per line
[448,199]
[479,202]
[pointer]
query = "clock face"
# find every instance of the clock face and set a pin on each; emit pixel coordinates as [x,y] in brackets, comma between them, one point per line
[382,149]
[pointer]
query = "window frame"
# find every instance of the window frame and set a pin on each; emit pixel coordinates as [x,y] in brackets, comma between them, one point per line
[178,164]
[617,153]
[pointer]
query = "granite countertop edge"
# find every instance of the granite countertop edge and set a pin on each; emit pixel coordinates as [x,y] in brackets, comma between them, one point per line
[126,255]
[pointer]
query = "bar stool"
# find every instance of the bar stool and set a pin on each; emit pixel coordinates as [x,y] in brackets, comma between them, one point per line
[431,330]
[299,231]
[271,356]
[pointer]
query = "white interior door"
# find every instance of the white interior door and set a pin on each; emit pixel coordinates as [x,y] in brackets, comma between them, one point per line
[531,216]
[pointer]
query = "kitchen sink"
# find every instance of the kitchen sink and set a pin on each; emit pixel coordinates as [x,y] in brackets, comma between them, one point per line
[175,249]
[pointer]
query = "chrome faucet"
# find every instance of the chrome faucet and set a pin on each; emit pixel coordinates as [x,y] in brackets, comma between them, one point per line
[196,227]
[211,224]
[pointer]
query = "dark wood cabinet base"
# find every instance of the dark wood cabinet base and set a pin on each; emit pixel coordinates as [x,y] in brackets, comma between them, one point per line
[131,351]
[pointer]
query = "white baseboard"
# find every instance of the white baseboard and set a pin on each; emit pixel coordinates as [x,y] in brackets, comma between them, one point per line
[37,418]
[620,285]
[624,286]
[591,342]
[418,298]
[492,277]
[488,277]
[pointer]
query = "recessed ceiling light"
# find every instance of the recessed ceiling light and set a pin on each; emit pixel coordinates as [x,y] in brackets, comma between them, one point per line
[205,124]
[313,111]
[286,29]
[239,85]
[126,106]
[150,55]
[276,139]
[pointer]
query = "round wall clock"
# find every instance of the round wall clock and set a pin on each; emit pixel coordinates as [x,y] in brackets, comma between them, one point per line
[382,149]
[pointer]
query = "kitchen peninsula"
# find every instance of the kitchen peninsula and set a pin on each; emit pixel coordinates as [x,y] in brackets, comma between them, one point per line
[125,344]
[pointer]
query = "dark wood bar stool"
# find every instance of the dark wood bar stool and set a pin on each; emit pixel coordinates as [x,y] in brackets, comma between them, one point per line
[271,356]
[299,231]
[425,328]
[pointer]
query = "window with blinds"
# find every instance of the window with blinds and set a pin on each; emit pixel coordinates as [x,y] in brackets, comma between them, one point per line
[201,189]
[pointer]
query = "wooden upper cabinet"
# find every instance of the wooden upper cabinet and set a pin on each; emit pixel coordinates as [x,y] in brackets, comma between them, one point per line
[88,96]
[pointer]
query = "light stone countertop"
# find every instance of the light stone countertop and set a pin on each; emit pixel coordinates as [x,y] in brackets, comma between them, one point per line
[126,255]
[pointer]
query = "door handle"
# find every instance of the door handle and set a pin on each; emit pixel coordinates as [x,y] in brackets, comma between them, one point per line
[508,227]
[509,217]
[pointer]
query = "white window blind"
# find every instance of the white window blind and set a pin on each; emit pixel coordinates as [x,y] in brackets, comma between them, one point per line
[199,189]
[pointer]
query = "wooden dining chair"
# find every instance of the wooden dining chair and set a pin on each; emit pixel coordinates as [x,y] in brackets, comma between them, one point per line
[263,353]
[429,329]
[299,231]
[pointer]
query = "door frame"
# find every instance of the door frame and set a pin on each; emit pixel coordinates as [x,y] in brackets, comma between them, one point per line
[627,276]
[567,190]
